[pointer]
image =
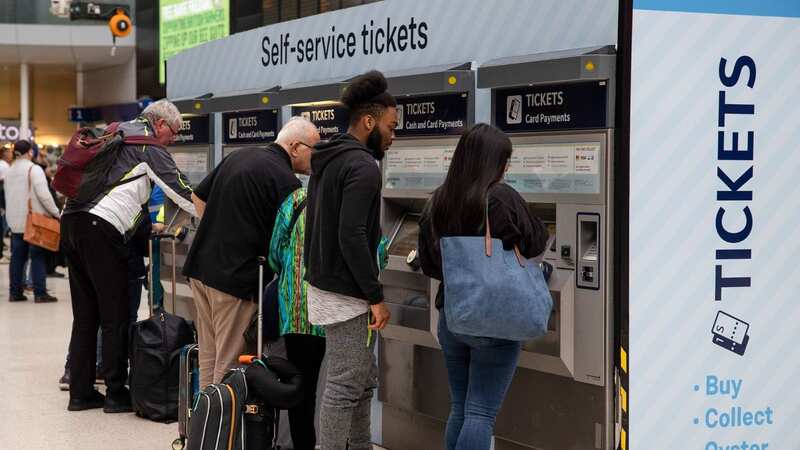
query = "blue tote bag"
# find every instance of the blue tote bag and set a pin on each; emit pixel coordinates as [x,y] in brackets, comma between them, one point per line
[493,292]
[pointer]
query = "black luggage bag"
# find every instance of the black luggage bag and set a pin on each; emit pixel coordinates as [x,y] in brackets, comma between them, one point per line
[154,349]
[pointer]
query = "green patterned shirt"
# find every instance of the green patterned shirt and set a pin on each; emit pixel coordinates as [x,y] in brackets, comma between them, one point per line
[286,259]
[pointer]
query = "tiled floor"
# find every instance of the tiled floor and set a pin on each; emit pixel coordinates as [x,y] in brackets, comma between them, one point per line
[33,414]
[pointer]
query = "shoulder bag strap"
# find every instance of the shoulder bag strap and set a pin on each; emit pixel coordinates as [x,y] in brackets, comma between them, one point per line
[296,214]
[488,238]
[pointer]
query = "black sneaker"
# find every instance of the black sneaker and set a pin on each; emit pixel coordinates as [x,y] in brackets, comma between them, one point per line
[95,400]
[118,402]
[63,382]
[46,298]
[17,298]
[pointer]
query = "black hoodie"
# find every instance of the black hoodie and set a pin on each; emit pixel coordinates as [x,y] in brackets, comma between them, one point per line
[343,219]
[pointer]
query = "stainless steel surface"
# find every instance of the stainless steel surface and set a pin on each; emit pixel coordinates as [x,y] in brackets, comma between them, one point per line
[563,395]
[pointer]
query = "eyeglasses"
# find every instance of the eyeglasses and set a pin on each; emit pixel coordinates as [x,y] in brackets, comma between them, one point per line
[303,143]
[170,127]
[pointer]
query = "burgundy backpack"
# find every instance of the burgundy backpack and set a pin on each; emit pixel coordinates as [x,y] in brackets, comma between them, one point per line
[83,169]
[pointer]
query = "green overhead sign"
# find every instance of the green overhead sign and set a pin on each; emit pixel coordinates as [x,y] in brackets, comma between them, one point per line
[186,23]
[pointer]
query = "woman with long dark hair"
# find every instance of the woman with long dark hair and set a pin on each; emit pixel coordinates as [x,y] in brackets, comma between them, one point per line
[479,369]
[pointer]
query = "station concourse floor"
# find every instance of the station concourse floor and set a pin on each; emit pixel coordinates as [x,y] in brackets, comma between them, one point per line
[33,411]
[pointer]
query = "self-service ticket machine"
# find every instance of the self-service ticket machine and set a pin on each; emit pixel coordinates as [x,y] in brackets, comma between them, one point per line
[434,107]
[559,111]
[192,151]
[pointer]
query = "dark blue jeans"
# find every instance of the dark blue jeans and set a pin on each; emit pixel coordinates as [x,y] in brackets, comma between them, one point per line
[480,371]
[20,250]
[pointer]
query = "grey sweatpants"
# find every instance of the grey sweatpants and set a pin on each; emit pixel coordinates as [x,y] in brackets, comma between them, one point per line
[351,379]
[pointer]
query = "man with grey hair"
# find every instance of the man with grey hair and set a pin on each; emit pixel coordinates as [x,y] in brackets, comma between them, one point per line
[238,202]
[93,238]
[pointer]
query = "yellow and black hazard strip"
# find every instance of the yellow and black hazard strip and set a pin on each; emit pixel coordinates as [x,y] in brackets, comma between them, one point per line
[623,397]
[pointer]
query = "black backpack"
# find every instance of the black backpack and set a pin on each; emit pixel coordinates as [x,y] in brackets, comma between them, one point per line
[242,411]
[154,349]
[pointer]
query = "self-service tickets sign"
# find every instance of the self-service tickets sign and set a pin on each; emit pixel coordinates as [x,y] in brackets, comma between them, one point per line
[713,212]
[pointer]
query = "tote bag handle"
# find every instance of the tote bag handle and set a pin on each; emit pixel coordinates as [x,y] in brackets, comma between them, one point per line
[488,238]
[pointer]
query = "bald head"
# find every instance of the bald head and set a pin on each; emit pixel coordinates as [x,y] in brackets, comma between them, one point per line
[298,137]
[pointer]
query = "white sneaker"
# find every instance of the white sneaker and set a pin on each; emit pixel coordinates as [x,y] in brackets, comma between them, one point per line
[5,260]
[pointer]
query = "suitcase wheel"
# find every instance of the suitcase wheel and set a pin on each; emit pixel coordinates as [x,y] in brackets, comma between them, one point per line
[178,444]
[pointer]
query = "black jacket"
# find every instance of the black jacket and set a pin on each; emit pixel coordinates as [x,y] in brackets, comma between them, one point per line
[510,220]
[343,219]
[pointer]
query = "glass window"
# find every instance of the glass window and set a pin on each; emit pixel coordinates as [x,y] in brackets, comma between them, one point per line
[271,12]
[289,9]
[309,7]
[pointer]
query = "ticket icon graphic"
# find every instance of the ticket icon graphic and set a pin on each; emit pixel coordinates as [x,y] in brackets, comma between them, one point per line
[730,333]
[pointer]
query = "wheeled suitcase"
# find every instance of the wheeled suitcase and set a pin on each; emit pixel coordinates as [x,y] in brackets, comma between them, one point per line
[154,349]
[188,387]
[231,416]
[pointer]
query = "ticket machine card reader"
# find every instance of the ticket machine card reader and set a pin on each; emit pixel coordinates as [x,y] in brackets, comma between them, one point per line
[588,276]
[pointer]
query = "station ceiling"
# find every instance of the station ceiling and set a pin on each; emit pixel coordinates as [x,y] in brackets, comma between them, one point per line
[86,47]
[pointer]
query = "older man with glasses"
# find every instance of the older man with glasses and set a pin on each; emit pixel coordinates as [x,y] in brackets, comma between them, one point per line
[94,236]
[238,202]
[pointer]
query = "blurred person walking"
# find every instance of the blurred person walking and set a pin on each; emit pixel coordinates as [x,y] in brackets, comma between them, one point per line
[26,189]
[6,157]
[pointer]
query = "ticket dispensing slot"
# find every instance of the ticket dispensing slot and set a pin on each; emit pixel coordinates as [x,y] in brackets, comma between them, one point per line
[405,288]
[588,262]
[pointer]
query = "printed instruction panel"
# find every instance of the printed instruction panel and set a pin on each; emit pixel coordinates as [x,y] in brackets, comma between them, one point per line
[555,168]
[571,168]
[193,164]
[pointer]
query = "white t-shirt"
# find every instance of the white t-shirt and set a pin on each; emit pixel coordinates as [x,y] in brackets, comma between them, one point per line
[327,308]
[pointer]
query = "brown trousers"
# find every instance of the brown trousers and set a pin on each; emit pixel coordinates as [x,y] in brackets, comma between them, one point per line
[221,320]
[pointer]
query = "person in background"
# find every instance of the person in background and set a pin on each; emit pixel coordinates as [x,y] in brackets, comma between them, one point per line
[26,181]
[137,272]
[156,212]
[93,238]
[238,202]
[5,164]
[479,369]
[341,242]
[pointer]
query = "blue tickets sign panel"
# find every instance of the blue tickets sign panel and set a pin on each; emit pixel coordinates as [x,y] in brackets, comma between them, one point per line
[250,127]
[551,107]
[432,115]
[330,119]
[713,213]
[194,130]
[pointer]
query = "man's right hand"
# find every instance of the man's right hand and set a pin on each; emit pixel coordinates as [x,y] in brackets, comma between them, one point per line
[380,316]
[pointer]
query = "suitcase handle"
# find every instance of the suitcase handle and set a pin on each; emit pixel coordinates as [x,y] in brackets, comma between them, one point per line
[177,236]
[250,359]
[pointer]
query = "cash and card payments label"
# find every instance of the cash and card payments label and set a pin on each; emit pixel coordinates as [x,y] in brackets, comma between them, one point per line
[432,115]
[250,127]
[194,130]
